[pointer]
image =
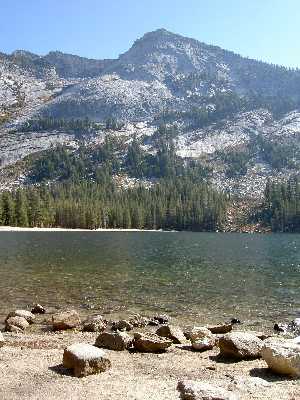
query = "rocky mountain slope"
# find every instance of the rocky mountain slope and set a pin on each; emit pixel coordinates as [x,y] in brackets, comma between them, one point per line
[238,117]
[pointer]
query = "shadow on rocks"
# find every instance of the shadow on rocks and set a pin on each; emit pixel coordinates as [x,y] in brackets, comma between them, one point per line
[268,375]
[223,360]
[61,370]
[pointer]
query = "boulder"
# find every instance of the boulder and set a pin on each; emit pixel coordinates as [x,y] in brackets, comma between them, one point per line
[94,324]
[220,329]
[65,320]
[122,325]
[85,359]
[22,313]
[240,345]
[139,321]
[282,356]
[173,333]
[201,338]
[150,343]
[114,341]
[16,324]
[2,340]
[200,390]
[38,309]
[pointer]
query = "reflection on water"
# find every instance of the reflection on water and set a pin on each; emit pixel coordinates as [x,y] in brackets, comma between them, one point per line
[193,276]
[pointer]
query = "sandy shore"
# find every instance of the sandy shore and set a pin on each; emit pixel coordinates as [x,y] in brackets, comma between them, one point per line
[20,229]
[30,369]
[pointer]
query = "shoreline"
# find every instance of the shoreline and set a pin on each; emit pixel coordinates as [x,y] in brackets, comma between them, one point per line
[56,229]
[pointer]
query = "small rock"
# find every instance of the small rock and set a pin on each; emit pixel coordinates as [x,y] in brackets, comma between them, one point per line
[173,333]
[16,324]
[235,321]
[122,325]
[22,313]
[282,356]
[95,324]
[203,344]
[139,322]
[150,343]
[65,320]
[85,359]
[198,332]
[280,327]
[199,390]
[161,318]
[38,309]
[2,340]
[220,329]
[240,345]
[114,341]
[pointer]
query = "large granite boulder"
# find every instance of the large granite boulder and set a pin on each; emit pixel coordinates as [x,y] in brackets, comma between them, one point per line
[201,390]
[29,316]
[65,320]
[240,345]
[114,341]
[282,356]
[94,324]
[150,343]
[2,340]
[173,333]
[16,324]
[85,359]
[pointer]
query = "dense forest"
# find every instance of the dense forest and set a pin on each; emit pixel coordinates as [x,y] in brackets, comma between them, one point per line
[282,206]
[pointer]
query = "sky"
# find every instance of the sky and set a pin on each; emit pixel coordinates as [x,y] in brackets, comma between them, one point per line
[267,30]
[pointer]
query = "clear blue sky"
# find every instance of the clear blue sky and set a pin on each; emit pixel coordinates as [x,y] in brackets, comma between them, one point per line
[264,29]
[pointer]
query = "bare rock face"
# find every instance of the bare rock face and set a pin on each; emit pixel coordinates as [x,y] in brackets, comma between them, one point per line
[122,325]
[173,333]
[95,324]
[2,340]
[16,324]
[240,345]
[65,320]
[220,329]
[150,343]
[24,314]
[85,359]
[282,356]
[197,390]
[38,309]
[114,341]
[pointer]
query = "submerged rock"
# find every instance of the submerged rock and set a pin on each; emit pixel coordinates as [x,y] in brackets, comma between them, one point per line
[66,320]
[199,390]
[240,345]
[94,324]
[16,324]
[150,343]
[38,309]
[282,356]
[114,341]
[173,333]
[85,359]
[22,313]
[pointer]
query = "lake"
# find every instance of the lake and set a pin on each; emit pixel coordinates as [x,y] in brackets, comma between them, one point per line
[194,277]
